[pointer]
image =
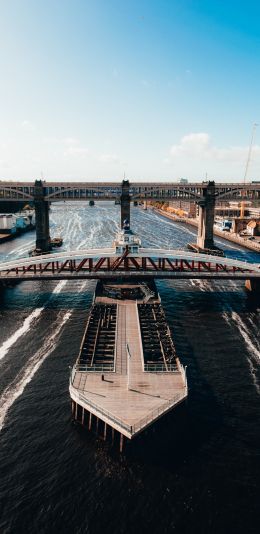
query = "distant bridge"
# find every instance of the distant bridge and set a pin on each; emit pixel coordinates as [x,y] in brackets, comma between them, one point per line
[56,191]
[149,263]
[205,194]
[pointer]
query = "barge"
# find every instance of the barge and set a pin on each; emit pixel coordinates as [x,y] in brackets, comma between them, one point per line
[127,374]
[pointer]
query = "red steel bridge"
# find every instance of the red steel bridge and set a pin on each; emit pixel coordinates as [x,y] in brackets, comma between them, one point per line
[148,263]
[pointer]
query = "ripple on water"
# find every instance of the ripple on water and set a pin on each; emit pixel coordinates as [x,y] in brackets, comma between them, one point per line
[197,472]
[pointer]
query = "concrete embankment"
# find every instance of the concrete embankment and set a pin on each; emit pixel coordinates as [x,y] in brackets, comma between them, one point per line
[224,235]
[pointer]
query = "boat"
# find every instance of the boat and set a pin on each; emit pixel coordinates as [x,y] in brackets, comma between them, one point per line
[56,241]
[126,239]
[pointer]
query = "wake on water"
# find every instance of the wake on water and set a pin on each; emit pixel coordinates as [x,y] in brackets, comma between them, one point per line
[251,342]
[17,386]
[27,324]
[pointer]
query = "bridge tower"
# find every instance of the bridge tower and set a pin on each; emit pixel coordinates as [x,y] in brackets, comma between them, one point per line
[125,202]
[205,237]
[41,218]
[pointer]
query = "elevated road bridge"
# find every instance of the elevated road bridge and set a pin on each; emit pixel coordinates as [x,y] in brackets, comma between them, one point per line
[56,191]
[205,194]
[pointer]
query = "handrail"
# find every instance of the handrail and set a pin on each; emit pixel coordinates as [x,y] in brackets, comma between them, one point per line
[96,368]
[132,429]
[160,368]
[158,411]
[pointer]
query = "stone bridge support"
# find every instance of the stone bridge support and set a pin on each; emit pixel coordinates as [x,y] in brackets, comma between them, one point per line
[41,218]
[254,287]
[125,202]
[205,237]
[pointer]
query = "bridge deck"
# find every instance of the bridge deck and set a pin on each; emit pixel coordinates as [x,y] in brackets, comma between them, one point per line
[105,263]
[128,399]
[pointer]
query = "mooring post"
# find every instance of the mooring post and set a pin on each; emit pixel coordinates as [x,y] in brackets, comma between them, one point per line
[82,417]
[125,202]
[105,431]
[253,286]
[121,442]
[90,421]
[76,412]
[97,425]
[41,218]
[205,238]
[112,435]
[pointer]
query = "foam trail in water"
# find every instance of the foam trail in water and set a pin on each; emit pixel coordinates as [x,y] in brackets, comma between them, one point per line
[200,284]
[16,388]
[4,349]
[59,287]
[245,333]
[20,332]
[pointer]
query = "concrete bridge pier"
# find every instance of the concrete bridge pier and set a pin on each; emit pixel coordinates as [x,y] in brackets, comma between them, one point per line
[253,286]
[41,218]
[125,202]
[205,237]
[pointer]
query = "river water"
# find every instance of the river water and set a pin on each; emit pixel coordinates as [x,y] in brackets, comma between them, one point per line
[198,472]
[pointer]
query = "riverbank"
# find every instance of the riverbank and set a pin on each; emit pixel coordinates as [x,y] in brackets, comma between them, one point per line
[224,235]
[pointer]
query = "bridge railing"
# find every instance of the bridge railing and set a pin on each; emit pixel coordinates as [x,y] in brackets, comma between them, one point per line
[160,368]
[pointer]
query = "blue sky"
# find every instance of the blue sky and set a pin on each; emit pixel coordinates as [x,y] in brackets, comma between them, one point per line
[91,89]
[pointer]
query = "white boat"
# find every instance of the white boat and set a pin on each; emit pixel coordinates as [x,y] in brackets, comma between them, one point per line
[126,240]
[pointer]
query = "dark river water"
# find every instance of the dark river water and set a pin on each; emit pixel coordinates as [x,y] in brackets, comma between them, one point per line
[197,472]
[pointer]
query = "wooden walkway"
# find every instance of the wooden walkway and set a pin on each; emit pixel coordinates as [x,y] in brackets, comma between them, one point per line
[128,399]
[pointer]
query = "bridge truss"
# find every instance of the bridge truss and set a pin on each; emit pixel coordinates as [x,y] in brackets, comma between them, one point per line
[57,191]
[104,263]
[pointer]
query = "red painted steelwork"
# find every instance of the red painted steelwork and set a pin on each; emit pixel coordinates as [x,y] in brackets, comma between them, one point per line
[126,263]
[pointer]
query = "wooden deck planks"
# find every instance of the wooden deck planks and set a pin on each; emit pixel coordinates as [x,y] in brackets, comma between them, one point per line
[129,394]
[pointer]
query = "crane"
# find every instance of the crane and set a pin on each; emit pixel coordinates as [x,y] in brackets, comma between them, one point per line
[242,205]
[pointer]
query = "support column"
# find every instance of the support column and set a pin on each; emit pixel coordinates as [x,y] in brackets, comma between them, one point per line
[253,286]
[41,218]
[125,202]
[82,416]
[121,442]
[90,421]
[205,237]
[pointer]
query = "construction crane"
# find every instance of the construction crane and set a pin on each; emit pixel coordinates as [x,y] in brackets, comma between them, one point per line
[242,205]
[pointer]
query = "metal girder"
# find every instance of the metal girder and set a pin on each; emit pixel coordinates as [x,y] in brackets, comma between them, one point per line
[14,191]
[126,263]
